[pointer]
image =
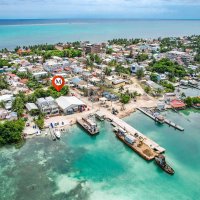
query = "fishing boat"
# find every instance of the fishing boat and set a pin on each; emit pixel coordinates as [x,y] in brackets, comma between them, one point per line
[159,118]
[160,161]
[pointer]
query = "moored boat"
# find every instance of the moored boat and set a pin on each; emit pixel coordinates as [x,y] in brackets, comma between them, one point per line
[57,134]
[160,161]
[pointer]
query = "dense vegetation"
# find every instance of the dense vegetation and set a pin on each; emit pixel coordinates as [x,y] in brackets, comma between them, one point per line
[40,121]
[190,101]
[125,98]
[93,58]
[11,132]
[168,86]
[123,41]
[167,44]
[4,62]
[141,57]
[3,83]
[140,73]
[122,70]
[70,53]
[165,65]
[39,47]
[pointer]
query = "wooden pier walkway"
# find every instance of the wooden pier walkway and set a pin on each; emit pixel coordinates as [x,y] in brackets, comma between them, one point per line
[170,123]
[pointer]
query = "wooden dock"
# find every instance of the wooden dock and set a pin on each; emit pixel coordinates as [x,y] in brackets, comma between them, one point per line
[174,125]
[170,123]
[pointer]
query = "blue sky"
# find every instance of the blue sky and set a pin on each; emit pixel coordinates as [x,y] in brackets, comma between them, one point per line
[162,9]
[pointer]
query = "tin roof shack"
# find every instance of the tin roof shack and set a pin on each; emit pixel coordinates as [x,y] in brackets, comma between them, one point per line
[118,83]
[32,108]
[7,100]
[177,104]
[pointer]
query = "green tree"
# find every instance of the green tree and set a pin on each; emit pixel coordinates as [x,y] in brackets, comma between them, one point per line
[147,89]
[18,106]
[40,122]
[3,83]
[154,77]
[109,51]
[107,71]
[125,98]
[141,57]
[140,73]
[11,132]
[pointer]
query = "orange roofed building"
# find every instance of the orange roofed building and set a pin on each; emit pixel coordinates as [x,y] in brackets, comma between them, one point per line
[177,104]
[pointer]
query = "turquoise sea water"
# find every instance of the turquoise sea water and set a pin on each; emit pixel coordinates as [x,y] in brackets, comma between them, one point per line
[27,32]
[83,167]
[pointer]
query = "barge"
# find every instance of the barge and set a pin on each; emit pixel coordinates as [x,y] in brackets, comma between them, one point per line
[135,142]
[89,125]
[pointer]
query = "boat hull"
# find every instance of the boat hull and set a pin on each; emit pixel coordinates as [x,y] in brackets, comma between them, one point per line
[165,167]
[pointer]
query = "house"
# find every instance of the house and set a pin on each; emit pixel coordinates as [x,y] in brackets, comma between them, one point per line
[54,66]
[169,96]
[31,107]
[135,67]
[180,56]
[161,77]
[119,83]
[154,85]
[177,104]
[12,116]
[109,96]
[39,75]
[3,114]
[22,70]
[7,100]
[183,82]
[69,105]
[92,48]
[48,106]
[75,81]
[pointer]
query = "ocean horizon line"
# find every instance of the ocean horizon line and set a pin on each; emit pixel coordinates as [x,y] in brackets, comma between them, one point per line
[99,19]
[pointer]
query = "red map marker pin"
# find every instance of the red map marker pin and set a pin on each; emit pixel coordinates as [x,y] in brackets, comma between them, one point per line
[58,82]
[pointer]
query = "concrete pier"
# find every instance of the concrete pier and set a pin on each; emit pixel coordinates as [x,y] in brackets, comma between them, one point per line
[170,123]
[148,143]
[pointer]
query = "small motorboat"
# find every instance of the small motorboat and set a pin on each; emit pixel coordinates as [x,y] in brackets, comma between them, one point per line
[57,134]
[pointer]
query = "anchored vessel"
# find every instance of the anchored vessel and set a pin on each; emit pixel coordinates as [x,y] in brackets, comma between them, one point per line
[89,125]
[57,134]
[160,161]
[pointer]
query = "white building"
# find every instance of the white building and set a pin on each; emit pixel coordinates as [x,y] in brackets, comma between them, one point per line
[47,106]
[31,106]
[39,75]
[69,105]
[135,67]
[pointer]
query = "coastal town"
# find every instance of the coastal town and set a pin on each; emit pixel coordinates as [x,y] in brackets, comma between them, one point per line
[108,81]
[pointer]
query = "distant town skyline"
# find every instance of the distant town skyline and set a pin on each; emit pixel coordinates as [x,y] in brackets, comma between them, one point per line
[143,9]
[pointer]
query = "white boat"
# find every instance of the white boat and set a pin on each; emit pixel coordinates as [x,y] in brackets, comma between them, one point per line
[57,134]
